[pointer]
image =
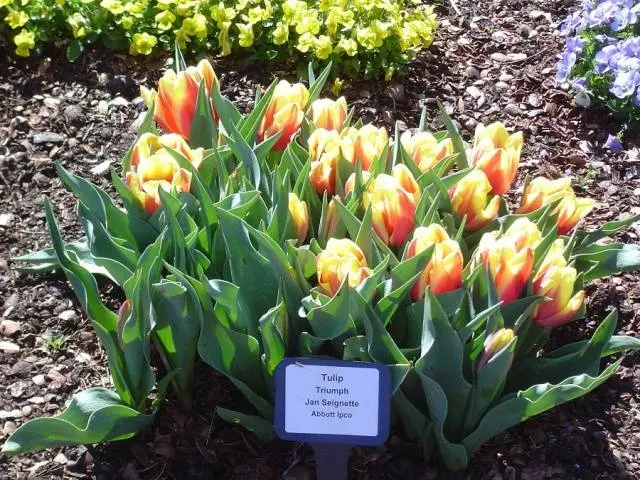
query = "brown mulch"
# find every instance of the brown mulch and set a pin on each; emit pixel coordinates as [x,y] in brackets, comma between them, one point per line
[495,62]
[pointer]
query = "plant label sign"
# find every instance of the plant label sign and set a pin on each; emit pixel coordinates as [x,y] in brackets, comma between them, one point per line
[332,404]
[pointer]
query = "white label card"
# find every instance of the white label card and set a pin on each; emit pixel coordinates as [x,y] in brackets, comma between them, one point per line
[331,400]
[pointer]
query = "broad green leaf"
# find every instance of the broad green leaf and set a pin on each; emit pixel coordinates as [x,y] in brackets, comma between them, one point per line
[518,407]
[456,139]
[95,415]
[262,428]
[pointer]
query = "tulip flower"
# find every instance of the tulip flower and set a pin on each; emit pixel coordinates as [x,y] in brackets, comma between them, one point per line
[570,210]
[425,150]
[443,272]
[324,149]
[149,144]
[350,184]
[494,343]
[177,96]
[300,216]
[392,208]
[329,114]
[497,154]
[330,219]
[509,266]
[525,233]
[556,281]
[341,259]
[154,167]
[284,114]
[365,144]
[469,197]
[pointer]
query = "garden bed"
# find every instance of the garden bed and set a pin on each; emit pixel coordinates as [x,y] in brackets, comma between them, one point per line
[495,62]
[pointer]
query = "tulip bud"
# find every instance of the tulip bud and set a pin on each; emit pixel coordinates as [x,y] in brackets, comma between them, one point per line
[329,114]
[330,220]
[324,149]
[525,233]
[556,281]
[149,95]
[469,197]
[341,259]
[494,343]
[392,208]
[425,150]
[497,154]
[300,216]
[443,272]
[123,314]
[570,210]
[509,266]
[365,144]
[177,97]
[284,114]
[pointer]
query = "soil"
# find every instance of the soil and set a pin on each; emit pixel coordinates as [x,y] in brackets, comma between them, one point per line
[495,61]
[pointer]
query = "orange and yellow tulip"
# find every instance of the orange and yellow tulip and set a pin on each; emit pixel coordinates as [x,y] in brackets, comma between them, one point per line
[570,210]
[329,114]
[509,266]
[425,150]
[365,144]
[497,154]
[470,198]
[330,219]
[284,114]
[443,272]
[525,233]
[324,149]
[149,145]
[175,102]
[154,167]
[556,281]
[300,216]
[393,209]
[350,184]
[341,259]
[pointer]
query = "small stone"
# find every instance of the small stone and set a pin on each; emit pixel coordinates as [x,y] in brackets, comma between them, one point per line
[516,57]
[9,428]
[47,137]
[101,169]
[60,458]
[501,86]
[536,14]
[103,107]
[5,414]
[39,380]
[9,347]
[26,411]
[499,36]
[505,77]
[56,377]
[67,315]
[474,91]
[52,103]
[470,124]
[73,112]
[12,301]
[83,357]
[472,72]
[8,328]
[498,57]
[41,180]
[512,109]
[72,143]
[119,102]
[6,219]
[21,367]
[36,400]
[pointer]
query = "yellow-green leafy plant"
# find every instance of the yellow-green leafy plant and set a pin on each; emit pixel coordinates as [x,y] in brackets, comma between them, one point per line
[368,37]
[295,230]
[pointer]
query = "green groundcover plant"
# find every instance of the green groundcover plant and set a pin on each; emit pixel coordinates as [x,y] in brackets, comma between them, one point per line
[368,37]
[295,230]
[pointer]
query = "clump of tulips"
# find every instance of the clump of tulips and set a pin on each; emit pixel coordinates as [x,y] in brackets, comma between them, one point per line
[295,230]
